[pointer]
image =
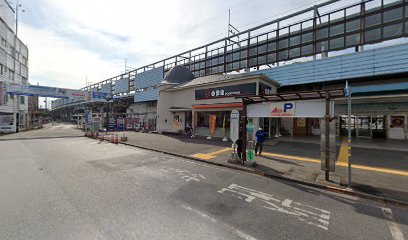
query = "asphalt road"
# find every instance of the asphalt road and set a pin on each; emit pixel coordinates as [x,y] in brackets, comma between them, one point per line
[55,185]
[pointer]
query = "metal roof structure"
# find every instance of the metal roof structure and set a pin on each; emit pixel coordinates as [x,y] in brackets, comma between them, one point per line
[319,29]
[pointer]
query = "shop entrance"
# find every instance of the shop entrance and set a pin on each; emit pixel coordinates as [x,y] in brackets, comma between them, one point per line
[371,126]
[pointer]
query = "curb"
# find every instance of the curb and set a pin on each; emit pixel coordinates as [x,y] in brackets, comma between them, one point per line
[345,191]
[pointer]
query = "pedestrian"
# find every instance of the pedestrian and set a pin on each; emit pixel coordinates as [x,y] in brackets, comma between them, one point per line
[239,146]
[260,138]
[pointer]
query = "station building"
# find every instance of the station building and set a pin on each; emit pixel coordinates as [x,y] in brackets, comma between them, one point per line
[187,101]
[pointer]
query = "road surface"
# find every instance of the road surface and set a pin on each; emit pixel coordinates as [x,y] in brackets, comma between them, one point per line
[57,185]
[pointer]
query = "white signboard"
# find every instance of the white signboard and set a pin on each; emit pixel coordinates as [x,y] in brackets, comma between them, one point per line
[282,109]
[234,125]
[297,109]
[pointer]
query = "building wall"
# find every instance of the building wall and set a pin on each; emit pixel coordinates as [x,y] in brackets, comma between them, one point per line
[12,69]
[144,111]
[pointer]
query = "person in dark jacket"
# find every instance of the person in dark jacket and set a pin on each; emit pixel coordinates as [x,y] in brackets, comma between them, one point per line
[239,146]
[260,138]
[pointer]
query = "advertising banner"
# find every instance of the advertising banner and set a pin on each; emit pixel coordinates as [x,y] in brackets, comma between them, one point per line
[99,96]
[213,121]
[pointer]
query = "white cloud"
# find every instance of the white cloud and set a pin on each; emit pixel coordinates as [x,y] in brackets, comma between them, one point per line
[57,61]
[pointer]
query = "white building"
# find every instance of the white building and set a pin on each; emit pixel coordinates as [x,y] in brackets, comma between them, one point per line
[13,69]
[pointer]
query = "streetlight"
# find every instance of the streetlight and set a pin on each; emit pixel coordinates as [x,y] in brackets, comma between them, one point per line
[108,99]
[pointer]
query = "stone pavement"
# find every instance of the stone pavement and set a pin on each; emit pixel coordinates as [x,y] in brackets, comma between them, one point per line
[383,174]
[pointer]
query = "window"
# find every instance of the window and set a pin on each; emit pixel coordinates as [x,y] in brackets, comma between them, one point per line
[2,68]
[24,80]
[11,74]
[392,31]
[392,15]
[22,100]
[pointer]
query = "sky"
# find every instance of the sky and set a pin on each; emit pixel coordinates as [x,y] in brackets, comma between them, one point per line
[72,41]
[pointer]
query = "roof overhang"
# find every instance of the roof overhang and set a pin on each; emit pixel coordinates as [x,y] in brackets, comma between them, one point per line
[294,96]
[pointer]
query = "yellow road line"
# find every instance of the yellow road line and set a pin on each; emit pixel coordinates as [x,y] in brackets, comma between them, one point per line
[312,160]
[344,151]
[208,156]
[220,151]
[374,169]
[203,156]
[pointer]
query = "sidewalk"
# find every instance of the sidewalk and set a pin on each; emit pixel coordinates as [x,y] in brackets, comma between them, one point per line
[384,174]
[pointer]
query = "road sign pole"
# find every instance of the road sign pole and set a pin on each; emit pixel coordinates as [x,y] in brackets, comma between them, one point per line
[327,140]
[349,132]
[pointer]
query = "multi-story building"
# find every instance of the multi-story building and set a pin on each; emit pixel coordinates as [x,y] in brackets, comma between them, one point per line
[13,69]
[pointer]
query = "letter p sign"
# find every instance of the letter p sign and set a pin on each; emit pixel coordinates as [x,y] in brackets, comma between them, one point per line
[287,106]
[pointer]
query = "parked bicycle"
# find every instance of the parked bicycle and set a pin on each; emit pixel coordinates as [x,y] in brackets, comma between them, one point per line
[186,132]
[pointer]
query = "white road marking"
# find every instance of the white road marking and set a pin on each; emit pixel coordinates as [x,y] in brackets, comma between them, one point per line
[393,226]
[311,215]
[184,174]
[226,226]
[211,219]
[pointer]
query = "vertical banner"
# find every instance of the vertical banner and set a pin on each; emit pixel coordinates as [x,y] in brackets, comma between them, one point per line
[213,128]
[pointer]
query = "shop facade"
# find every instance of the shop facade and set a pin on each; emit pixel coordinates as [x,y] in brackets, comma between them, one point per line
[387,120]
[205,103]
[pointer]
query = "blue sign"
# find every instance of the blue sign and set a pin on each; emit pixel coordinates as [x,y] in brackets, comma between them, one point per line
[287,106]
[99,96]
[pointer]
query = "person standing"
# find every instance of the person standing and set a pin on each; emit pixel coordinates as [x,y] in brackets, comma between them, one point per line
[239,146]
[260,138]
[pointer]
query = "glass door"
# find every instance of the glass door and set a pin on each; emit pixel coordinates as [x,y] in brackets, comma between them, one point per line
[377,126]
[364,126]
